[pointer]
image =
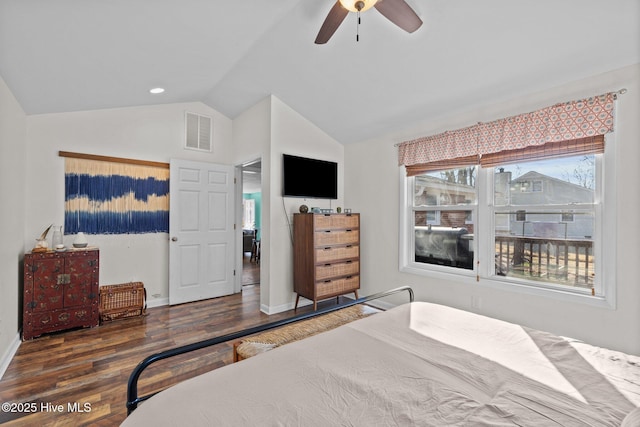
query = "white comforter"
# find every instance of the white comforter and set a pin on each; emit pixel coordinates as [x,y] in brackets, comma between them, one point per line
[419,364]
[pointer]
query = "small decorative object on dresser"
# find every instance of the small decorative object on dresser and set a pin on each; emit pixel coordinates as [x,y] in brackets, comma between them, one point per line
[80,241]
[326,255]
[56,239]
[60,291]
[41,242]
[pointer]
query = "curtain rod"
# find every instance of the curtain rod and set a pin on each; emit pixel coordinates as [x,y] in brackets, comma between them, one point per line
[113,159]
[615,94]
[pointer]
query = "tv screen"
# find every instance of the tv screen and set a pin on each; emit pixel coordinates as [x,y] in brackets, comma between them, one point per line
[303,177]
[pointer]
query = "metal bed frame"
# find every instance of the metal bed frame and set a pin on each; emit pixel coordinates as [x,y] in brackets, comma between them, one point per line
[132,386]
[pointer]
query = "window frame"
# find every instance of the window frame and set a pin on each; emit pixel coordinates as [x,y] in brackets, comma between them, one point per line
[484,246]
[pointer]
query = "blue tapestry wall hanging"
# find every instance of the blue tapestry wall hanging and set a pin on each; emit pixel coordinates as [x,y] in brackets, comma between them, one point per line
[115,198]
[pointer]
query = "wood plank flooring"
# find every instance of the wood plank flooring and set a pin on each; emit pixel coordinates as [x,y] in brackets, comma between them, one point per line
[89,368]
[250,270]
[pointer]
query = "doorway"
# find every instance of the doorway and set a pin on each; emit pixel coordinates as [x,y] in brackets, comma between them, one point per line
[251,222]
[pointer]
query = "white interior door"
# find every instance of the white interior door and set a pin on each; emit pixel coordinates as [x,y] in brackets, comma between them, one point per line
[201,218]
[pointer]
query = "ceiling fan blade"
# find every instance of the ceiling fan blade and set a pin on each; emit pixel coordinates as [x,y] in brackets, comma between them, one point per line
[331,23]
[400,13]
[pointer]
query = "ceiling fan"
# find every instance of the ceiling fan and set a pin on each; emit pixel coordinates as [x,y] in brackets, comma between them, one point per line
[396,11]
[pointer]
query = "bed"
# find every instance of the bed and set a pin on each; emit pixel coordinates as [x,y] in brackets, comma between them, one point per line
[415,364]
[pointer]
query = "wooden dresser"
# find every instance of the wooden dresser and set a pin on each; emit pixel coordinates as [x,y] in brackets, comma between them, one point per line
[60,291]
[326,255]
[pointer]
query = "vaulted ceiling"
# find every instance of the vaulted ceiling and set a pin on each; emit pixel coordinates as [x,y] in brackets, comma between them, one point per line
[70,55]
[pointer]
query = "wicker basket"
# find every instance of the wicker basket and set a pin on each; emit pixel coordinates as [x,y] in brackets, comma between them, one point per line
[122,301]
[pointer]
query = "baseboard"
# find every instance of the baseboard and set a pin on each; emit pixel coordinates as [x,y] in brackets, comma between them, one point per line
[7,357]
[157,302]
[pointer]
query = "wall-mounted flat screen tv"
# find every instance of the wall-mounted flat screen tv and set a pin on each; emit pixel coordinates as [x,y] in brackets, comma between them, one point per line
[303,177]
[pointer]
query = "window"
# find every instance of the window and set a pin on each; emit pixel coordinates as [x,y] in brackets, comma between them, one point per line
[248,214]
[527,186]
[443,206]
[432,217]
[530,216]
[549,240]
[543,245]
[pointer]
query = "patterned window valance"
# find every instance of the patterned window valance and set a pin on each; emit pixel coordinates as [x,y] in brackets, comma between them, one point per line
[561,122]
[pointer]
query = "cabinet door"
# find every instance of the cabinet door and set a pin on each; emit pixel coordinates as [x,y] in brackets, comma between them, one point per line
[81,274]
[45,276]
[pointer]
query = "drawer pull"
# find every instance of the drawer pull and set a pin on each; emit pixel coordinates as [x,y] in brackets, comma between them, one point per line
[349,262]
[327,265]
[327,281]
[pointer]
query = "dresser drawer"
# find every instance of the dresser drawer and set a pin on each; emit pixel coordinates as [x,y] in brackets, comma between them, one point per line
[336,221]
[337,237]
[327,271]
[341,286]
[332,253]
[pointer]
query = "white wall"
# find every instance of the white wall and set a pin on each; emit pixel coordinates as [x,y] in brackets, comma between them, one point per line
[153,133]
[372,188]
[12,220]
[293,134]
[251,141]
[268,130]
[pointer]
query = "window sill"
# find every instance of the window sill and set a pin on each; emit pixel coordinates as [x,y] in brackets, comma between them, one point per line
[469,278]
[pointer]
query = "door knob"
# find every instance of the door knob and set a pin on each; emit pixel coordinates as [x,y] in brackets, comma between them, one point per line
[174,239]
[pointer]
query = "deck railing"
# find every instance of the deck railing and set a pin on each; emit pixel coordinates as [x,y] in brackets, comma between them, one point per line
[564,261]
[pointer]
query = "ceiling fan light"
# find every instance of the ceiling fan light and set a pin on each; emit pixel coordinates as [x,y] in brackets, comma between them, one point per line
[350,5]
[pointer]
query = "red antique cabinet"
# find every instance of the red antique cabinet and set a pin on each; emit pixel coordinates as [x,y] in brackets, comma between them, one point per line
[60,291]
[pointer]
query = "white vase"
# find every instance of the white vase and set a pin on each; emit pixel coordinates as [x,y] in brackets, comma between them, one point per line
[80,240]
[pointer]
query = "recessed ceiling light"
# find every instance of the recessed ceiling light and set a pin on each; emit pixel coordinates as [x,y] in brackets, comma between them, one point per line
[157,90]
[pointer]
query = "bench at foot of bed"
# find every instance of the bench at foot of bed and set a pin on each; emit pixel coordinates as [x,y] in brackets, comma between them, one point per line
[266,341]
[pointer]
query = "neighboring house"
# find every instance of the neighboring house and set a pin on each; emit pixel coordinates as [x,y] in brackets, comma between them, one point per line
[533,189]
[443,236]
[434,191]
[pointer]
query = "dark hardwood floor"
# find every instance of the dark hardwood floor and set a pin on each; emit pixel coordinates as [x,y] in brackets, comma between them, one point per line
[92,366]
[250,270]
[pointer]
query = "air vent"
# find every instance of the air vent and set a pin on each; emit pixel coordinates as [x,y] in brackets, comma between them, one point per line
[198,131]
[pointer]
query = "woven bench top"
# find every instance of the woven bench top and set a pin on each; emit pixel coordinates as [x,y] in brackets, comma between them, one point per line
[265,341]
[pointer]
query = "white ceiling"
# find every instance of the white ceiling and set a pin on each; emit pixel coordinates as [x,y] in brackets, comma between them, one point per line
[69,55]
